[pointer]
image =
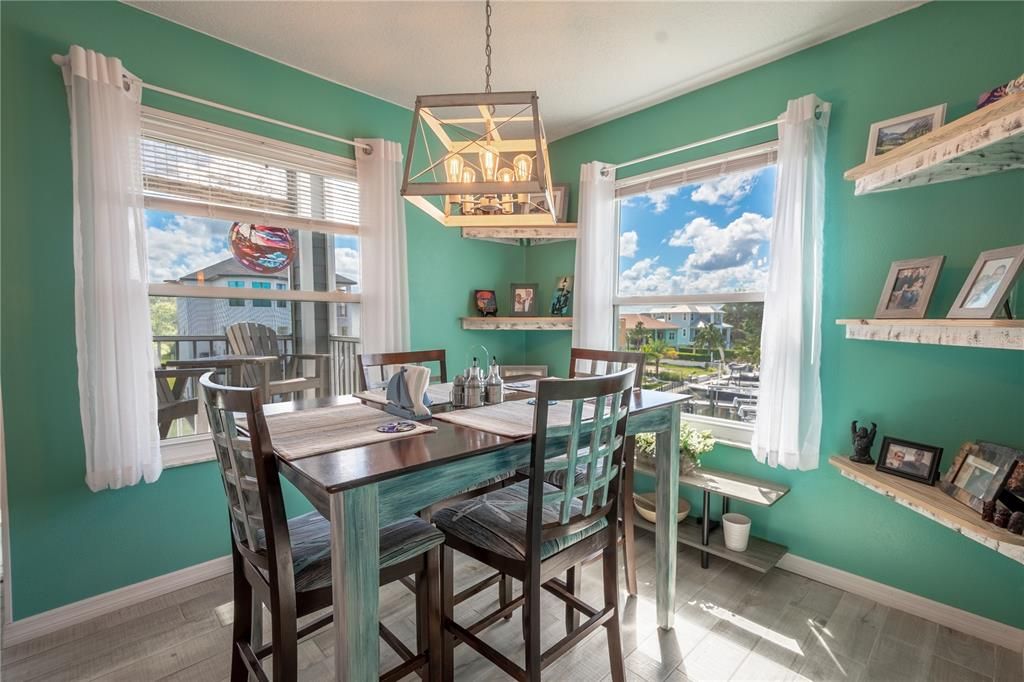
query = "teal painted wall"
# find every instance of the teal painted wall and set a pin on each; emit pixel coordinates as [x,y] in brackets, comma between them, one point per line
[941,52]
[66,542]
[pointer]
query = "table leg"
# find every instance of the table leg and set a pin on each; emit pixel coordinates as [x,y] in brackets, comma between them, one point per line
[705,529]
[355,578]
[666,529]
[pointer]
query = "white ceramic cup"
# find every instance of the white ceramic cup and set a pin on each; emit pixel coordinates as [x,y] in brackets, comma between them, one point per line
[737,531]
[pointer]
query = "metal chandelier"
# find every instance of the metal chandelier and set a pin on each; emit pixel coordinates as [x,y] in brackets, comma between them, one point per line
[480,159]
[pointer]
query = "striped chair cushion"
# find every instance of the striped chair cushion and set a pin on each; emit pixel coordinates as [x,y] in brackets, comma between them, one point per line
[311,546]
[558,477]
[497,522]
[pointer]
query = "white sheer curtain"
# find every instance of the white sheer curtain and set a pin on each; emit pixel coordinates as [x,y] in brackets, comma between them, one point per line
[116,384]
[788,429]
[596,249]
[385,285]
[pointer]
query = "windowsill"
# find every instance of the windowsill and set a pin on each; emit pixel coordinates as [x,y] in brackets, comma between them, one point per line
[189,450]
[732,434]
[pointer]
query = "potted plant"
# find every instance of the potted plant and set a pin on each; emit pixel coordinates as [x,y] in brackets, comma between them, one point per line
[692,444]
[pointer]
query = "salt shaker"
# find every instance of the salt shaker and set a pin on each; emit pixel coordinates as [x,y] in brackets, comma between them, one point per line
[459,391]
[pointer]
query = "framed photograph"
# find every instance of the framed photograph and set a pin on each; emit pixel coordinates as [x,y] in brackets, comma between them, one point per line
[894,132]
[561,301]
[560,195]
[485,301]
[904,458]
[909,287]
[978,473]
[524,299]
[989,283]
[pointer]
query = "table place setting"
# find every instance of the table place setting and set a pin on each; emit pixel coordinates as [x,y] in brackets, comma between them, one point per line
[327,429]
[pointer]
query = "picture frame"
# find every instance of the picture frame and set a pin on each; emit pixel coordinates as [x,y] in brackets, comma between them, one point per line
[978,473]
[486,302]
[560,195]
[891,133]
[908,288]
[914,461]
[988,284]
[561,300]
[523,299]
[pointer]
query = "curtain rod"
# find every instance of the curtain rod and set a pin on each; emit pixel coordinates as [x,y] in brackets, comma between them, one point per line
[60,60]
[692,145]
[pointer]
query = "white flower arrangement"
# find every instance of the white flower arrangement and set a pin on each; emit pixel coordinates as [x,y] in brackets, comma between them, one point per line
[692,443]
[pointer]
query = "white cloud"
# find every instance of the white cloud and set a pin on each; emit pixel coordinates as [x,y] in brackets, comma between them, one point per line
[715,248]
[727,189]
[185,244]
[628,242]
[658,199]
[647,278]
[346,262]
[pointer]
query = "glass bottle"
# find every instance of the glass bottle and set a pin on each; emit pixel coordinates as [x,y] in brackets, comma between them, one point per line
[494,389]
[474,386]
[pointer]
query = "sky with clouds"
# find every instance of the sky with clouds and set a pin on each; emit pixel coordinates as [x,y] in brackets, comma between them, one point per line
[180,244]
[700,238]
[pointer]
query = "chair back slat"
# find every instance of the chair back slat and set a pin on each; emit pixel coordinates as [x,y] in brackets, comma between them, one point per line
[376,369]
[590,362]
[248,470]
[589,447]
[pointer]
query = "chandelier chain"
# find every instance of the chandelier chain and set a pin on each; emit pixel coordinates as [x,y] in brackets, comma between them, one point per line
[487,49]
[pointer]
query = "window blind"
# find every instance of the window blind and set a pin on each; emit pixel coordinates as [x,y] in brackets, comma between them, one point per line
[198,168]
[750,158]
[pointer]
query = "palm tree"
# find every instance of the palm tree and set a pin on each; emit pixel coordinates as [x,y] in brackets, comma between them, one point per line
[636,336]
[709,338]
[656,350]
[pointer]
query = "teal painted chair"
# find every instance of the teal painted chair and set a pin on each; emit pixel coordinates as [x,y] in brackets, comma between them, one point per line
[285,563]
[535,531]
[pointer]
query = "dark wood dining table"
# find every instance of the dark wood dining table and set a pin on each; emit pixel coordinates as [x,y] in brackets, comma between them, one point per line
[361,489]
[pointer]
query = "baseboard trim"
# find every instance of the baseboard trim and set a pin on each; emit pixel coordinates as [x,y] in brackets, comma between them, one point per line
[987,629]
[27,629]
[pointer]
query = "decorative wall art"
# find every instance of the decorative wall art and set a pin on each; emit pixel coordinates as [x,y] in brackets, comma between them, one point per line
[894,132]
[486,302]
[909,287]
[524,299]
[978,473]
[261,248]
[561,301]
[910,460]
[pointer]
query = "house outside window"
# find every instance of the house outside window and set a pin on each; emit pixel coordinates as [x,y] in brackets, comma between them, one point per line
[202,180]
[694,247]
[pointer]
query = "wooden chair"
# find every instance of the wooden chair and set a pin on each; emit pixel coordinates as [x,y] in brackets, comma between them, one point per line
[524,370]
[591,362]
[534,531]
[251,338]
[286,563]
[375,369]
[171,400]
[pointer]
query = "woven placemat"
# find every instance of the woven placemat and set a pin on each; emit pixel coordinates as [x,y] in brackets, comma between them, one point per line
[512,419]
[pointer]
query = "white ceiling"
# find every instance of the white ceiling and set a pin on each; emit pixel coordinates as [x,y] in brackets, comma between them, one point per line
[588,61]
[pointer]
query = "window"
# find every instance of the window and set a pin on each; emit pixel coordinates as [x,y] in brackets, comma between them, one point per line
[694,246]
[233,217]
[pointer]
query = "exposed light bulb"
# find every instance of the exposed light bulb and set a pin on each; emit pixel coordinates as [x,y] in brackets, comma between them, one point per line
[453,166]
[468,200]
[524,167]
[488,163]
[506,176]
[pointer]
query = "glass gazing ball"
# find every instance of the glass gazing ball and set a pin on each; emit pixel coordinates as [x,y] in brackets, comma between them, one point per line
[261,248]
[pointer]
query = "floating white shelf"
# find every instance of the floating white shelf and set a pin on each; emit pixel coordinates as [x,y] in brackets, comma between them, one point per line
[1006,334]
[934,504]
[515,235]
[989,140]
[518,323]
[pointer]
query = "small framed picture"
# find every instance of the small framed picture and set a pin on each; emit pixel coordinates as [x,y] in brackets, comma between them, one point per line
[561,301]
[978,473]
[910,460]
[989,283]
[524,299]
[485,301]
[894,132]
[560,195]
[909,287]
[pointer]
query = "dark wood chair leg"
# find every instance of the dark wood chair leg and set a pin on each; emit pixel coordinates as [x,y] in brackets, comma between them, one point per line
[572,584]
[628,518]
[505,593]
[611,598]
[531,623]
[435,617]
[241,631]
[286,641]
[447,613]
[423,610]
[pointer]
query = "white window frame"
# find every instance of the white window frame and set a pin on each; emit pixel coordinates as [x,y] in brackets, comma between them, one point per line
[725,431]
[196,448]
